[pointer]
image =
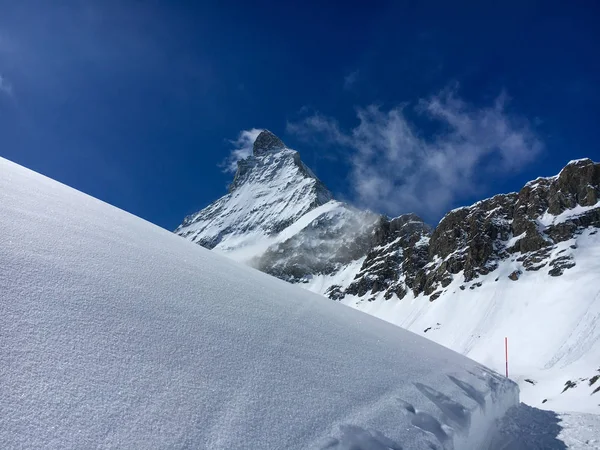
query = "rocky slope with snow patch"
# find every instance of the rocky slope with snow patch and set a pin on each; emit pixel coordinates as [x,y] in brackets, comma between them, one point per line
[473,241]
[393,263]
[524,266]
[551,322]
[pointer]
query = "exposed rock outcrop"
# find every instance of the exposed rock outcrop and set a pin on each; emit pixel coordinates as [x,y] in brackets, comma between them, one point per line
[266,142]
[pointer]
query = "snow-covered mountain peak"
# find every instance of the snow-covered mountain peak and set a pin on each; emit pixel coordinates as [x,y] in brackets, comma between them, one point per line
[271,190]
[266,142]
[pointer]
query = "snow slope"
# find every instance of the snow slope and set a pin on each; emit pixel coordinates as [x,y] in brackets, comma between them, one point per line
[115,333]
[552,323]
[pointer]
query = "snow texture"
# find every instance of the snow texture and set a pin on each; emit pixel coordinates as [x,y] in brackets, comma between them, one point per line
[580,431]
[115,333]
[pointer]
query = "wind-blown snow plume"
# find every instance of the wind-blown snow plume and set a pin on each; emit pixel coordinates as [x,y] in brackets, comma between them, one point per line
[395,168]
[5,86]
[242,149]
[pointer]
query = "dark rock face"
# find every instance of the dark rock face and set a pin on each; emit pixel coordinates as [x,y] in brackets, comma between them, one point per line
[266,142]
[577,184]
[471,240]
[560,264]
[398,254]
[335,292]
[475,239]
[534,261]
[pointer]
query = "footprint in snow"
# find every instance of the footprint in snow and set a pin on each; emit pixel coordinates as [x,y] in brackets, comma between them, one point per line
[429,424]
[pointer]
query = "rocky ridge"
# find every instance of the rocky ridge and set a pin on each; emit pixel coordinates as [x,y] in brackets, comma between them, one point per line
[472,241]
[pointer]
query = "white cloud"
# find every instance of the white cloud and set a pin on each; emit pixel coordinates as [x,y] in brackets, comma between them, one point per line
[242,149]
[351,79]
[317,127]
[395,169]
[5,86]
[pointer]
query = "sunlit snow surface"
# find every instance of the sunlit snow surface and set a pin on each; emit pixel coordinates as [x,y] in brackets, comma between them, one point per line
[115,333]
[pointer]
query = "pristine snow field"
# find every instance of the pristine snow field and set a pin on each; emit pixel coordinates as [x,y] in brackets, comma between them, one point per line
[115,333]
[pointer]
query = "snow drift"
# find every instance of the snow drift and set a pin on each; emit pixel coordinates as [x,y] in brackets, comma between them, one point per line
[115,333]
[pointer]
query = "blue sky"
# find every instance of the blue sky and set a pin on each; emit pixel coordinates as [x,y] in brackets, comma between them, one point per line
[399,106]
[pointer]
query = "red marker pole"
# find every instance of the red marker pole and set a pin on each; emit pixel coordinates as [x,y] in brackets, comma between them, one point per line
[506,354]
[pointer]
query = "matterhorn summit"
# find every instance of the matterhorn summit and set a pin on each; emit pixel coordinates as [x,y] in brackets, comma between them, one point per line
[266,142]
[271,190]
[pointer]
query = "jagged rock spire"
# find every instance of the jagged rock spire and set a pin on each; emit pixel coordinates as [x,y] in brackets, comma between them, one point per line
[266,142]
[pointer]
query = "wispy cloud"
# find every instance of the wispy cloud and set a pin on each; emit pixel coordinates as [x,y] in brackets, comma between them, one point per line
[242,149]
[351,79]
[5,86]
[395,168]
